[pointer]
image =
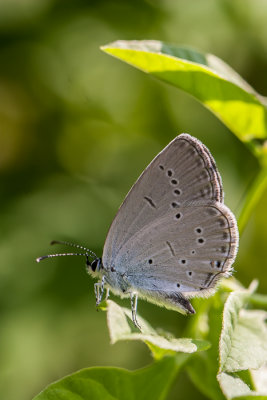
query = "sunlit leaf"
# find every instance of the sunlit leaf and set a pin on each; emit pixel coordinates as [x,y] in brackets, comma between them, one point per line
[204,76]
[243,342]
[121,328]
[232,385]
[259,377]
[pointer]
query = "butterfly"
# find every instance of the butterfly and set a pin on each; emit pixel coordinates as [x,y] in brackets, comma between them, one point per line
[172,238]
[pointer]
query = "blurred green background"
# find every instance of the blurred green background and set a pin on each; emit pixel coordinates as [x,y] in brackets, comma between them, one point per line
[77,127]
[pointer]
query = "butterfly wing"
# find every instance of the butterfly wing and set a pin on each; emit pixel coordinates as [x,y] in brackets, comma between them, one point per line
[172,235]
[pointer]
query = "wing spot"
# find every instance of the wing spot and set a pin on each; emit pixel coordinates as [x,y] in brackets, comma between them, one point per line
[161,167]
[216,264]
[150,261]
[198,230]
[203,175]
[150,202]
[178,285]
[225,235]
[169,172]
[193,252]
[211,211]
[183,261]
[177,192]
[205,191]
[201,240]
[174,204]
[178,215]
[222,222]
[192,151]
[189,273]
[174,182]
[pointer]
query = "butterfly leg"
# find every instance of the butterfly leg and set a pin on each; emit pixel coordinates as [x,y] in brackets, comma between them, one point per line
[134,297]
[107,293]
[99,290]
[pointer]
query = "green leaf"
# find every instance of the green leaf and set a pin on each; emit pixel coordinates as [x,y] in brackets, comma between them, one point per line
[234,388]
[243,342]
[243,346]
[206,324]
[232,385]
[202,370]
[205,77]
[254,194]
[251,396]
[121,328]
[152,382]
[259,378]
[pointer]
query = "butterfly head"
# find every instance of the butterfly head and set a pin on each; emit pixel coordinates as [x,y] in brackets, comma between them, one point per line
[93,266]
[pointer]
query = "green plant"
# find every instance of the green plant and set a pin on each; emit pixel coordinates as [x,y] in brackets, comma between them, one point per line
[225,347]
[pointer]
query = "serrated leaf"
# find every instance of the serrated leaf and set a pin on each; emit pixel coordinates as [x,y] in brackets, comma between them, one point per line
[121,328]
[243,342]
[204,76]
[114,383]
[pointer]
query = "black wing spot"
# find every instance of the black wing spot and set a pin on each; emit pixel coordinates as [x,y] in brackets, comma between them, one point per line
[169,172]
[193,252]
[201,240]
[217,264]
[174,204]
[183,261]
[178,285]
[174,181]
[150,261]
[177,192]
[189,273]
[198,230]
[150,202]
[178,215]
[161,167]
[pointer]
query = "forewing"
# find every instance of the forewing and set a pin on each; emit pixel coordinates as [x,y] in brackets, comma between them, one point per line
[182,174]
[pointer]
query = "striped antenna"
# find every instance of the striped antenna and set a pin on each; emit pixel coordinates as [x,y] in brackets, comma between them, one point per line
[89,253]
[78,246]
[60,255]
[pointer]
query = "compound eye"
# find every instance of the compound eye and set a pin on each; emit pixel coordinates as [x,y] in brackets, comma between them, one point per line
[95,264]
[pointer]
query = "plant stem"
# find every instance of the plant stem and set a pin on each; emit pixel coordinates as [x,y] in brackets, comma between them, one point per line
[254,194]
